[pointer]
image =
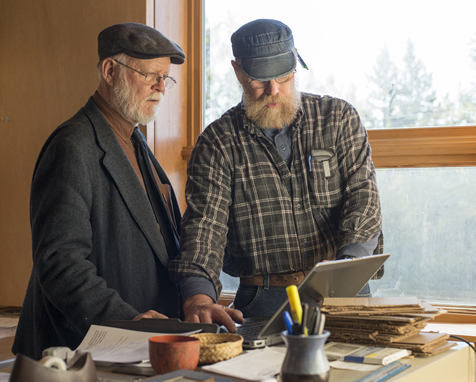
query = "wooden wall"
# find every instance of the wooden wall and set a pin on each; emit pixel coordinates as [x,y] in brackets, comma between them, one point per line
[170,134]
[48,70]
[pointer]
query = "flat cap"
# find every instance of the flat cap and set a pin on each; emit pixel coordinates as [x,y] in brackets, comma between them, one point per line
[138,41]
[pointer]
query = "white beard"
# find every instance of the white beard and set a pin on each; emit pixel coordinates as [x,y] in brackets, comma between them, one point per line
[130,104]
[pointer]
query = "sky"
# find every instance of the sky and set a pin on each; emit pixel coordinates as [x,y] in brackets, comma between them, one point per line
[344,37]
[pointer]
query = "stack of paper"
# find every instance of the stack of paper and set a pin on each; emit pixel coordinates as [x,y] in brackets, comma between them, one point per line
[8,321]
[426,344]
[383,321]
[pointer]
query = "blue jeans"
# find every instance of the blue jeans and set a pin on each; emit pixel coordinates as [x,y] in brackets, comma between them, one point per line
[260,301]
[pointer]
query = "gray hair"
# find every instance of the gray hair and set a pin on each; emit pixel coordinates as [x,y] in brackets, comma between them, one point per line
[122,57]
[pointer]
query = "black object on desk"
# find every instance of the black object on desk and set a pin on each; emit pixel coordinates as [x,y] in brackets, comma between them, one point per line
[159,325]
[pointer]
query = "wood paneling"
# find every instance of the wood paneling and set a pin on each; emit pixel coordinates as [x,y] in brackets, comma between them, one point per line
[181,110]
[48,71]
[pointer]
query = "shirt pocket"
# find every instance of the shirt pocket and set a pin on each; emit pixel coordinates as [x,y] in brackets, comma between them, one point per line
[325,180]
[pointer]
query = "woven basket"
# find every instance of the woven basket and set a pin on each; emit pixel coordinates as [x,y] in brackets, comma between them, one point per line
[218,347]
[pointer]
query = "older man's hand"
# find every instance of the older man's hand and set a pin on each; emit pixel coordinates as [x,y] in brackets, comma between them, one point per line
[201,308]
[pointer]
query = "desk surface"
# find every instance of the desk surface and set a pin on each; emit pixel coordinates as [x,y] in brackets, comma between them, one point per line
[6,349]
[455,365]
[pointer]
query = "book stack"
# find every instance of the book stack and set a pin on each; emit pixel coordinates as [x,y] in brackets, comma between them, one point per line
[392,322]
[337,351]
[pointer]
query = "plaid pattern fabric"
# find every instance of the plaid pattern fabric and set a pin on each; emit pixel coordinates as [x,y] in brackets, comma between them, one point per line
[251,214]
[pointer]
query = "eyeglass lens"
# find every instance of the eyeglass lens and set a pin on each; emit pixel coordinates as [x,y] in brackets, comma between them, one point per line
[255,84]
[154,77]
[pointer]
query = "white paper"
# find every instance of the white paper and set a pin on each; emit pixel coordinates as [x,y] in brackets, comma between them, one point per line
[254,365]
[353,366]
[8,322]
[114,345]
[4,377]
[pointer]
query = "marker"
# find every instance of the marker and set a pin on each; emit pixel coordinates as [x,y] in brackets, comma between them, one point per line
[294,303]
[288,321]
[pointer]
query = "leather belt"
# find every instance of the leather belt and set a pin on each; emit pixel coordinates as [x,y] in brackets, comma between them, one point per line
[275,279]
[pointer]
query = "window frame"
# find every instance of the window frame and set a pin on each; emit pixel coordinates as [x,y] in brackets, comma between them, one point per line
[424,147]
[453,146]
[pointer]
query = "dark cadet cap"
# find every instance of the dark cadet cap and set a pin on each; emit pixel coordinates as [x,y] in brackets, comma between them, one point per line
[265,48]
[138,41]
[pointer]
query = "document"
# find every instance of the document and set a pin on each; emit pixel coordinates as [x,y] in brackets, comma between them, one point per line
[114,345]
[254,365]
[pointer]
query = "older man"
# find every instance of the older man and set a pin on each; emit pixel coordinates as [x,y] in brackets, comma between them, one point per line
[104,218]
[280,182]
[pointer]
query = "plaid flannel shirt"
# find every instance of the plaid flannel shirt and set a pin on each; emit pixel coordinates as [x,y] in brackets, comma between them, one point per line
[248,213]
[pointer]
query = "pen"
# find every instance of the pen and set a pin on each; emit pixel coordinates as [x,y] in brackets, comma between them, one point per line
[301,61]
[321,324]
[288,321]
[299,58]
[311,319]
[295,306]
[316,322]
[305,316]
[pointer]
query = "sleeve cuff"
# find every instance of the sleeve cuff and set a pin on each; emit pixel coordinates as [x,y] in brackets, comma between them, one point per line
[358,249]
[193,285]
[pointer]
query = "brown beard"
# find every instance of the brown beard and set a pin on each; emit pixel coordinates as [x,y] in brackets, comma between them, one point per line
[278,118]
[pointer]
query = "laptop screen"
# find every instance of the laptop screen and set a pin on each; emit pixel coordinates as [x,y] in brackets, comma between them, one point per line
[338,278]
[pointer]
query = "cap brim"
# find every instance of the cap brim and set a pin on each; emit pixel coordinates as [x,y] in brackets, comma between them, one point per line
[269,68]
[176,59]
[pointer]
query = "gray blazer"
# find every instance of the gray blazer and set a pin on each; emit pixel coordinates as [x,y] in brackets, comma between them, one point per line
[98,253]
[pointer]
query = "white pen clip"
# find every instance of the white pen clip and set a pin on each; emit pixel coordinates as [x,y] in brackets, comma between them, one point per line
[322,156]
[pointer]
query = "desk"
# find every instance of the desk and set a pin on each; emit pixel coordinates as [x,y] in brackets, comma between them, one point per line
[6,349]
[454,365]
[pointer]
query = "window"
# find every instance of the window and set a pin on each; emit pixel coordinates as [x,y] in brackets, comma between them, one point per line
[410,64]
[410,71]
[429,217]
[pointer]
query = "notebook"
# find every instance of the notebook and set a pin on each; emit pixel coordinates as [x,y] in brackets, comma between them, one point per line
[338,278]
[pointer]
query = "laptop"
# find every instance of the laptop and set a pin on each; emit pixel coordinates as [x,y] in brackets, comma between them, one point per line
[338,278]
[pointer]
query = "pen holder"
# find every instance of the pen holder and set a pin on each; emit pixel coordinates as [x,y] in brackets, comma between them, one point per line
[305,358]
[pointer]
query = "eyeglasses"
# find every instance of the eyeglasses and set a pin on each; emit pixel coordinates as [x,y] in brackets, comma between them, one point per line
[152,78]
[255,84]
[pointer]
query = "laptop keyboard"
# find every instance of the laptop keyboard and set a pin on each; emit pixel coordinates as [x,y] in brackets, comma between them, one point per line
[250,331]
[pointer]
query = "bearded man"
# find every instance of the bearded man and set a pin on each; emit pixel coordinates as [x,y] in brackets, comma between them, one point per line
[104,217]
[280,182]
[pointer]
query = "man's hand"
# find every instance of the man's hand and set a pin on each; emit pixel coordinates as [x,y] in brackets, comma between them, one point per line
[201,308]
[149,314]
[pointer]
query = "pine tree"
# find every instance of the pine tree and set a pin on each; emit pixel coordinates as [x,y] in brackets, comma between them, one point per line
[384,91]
[416,99]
